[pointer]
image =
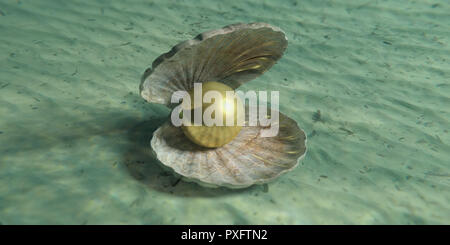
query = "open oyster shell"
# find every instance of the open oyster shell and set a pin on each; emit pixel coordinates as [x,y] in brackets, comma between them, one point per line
[231,55]
[248,159]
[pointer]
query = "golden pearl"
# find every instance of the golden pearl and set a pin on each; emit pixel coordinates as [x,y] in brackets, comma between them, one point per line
[215,136]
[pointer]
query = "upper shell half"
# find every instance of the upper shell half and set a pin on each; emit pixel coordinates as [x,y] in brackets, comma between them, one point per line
[232,55]
[248,159]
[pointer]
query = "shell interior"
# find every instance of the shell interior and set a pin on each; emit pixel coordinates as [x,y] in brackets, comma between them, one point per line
[232,55]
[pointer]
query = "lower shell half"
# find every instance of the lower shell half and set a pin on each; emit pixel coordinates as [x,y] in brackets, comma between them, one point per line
[248,159]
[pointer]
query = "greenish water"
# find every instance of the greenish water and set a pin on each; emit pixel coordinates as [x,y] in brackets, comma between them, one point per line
[74,133]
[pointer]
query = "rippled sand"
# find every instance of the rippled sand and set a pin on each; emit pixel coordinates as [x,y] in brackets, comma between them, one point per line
[74,133]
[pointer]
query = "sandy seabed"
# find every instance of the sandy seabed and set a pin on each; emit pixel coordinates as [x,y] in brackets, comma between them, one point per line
[74,132]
